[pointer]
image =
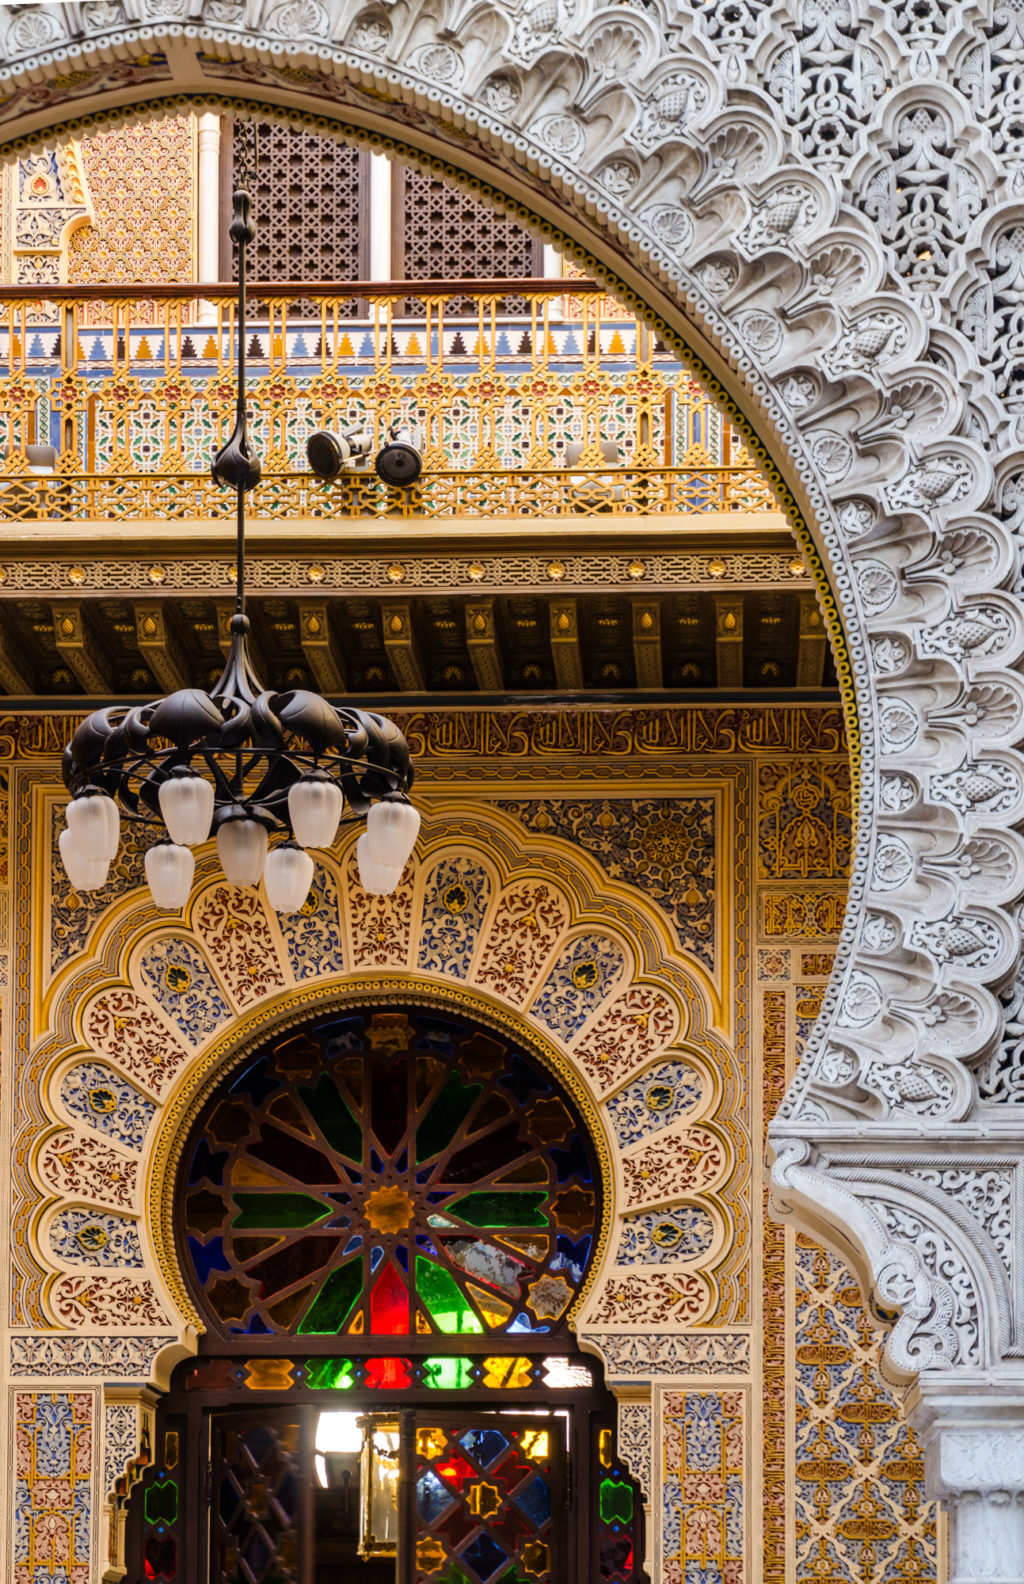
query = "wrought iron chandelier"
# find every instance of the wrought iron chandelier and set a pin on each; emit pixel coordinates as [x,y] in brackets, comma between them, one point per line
[241,762]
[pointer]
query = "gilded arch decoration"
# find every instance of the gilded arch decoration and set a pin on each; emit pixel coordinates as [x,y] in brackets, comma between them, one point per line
[693,156]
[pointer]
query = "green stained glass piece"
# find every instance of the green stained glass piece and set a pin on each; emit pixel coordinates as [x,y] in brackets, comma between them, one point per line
[162,1503]
[333,1117]
[449,1309]
[447,1374]
[278,1210]
[616,1502]
[334,1302]
[330,1374]
[445,1117]
[500,1209]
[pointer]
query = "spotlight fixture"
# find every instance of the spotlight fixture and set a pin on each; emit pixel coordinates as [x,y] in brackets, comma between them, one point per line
[330,453]
[400,462]
[244,763]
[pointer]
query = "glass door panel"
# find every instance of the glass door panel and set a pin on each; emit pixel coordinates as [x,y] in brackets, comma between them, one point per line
[257,1499]
[488,1494]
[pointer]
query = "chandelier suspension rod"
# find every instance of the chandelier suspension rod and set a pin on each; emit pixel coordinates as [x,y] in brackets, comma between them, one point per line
[242,201]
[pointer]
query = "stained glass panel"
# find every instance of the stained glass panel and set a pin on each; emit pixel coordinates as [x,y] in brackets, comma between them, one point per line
[485,1496]
[398,1173]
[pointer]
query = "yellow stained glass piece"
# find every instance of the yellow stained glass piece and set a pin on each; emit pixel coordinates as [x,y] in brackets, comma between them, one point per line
[494,1311]
[483,1499]
[268,1374]
[246,1174]
[507,1374]
[534,1557]
[535,1445]
[422,1324]
[604,1448]
[356,1328]
[430,1442]
[430,1555]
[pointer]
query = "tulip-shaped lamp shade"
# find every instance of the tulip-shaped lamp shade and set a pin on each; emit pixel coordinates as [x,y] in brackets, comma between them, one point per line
[242,849]
[379,879]
[287,874]
[186,803]
[169,870]
[391,828]
[95,825]
[314,808]
[85,874]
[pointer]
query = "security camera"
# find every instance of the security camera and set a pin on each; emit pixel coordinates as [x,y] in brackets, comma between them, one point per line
[399,463]
[329,453]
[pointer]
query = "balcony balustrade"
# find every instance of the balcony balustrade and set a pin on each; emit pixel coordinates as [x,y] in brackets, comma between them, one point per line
[136,393]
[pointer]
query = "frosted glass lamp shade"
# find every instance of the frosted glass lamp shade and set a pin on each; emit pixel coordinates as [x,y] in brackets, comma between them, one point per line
[186,804]
[242,849]
[391,830]
[287,875]
[85,874]
[378,879]
[169,870]
[95,826]
[314,808]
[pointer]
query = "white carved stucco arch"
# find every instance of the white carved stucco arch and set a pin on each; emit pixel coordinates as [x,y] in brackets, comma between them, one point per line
[687,151]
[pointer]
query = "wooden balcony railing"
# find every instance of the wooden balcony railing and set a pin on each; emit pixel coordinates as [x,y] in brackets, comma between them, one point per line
[135,386]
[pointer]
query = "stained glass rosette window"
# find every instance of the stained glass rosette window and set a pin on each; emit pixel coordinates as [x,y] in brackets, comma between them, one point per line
[396,1173]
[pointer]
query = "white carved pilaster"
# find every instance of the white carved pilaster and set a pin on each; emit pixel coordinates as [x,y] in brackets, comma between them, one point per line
[972,1432]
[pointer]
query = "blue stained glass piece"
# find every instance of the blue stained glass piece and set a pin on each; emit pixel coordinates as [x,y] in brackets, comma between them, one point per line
[572,1162]
[256,1327]
[402,1163]
[484,1556]
[483,1445]
[352,1244]
[402,1256]
[432,1497]
[376,1164]
[207,1164]
[376,1255]
[535,1501]
[425,1244]
[256,1082]
[522,1322]
[208,1259]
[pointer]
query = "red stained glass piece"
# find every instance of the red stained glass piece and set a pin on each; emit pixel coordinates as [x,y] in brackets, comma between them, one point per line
[455,1470]
[389,1304]
[388,1374]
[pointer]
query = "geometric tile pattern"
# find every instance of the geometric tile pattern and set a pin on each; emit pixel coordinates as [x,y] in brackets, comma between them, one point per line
[703,1490]
[53,1471]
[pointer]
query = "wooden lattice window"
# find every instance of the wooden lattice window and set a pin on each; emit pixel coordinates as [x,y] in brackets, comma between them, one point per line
[440,233]
[389,1174]
[311,199]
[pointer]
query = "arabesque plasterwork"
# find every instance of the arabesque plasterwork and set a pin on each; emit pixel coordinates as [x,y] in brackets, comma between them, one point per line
[745,168]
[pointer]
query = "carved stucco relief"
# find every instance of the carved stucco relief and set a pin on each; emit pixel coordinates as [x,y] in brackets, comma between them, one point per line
[795,188]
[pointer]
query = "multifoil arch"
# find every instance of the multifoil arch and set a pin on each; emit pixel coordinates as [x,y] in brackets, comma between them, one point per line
[681,151]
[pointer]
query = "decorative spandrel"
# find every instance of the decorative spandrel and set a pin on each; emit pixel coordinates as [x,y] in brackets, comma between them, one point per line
[389,1174]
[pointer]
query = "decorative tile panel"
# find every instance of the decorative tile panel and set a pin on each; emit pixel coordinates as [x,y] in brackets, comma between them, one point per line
[805,824]
[132,238]
[178,977]
[703,1494]
[94,1094]
[312,936]
[525,928]
[586,972]
[637,1025]
[657,1299]
[110,1301]
[53,1458]
[665,1094]
[691,1161]
[123,1026]
[662,1237]
[665,847]
[120,1440]
[232,924]
[861,1510]
[455,900]
[381,925]
[51,1356]
[86,1237]
[77,1167]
